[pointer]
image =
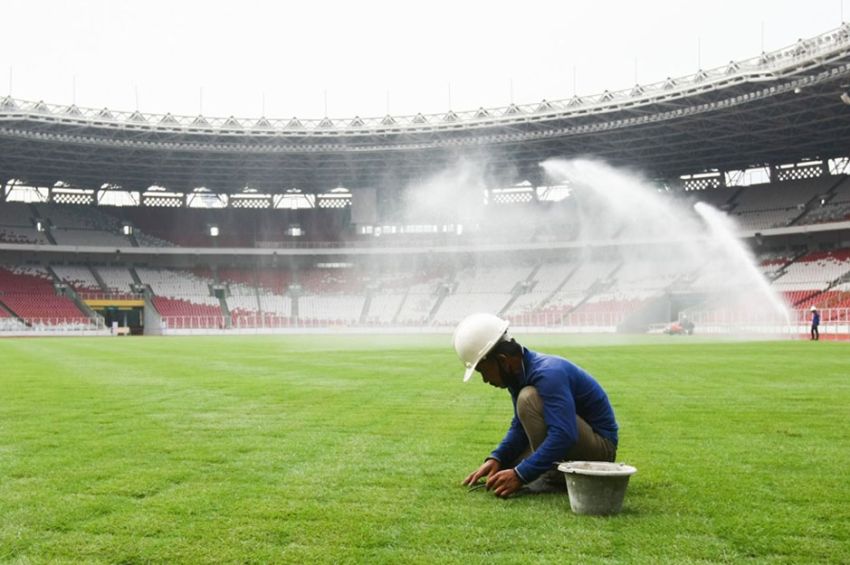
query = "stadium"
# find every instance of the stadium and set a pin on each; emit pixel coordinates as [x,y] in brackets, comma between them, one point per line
[575,219]
[163,222]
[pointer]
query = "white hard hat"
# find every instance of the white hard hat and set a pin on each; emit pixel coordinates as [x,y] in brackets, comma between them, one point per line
[475,336]
[813,307]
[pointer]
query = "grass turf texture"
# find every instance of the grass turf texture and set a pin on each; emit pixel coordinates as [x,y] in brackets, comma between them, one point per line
[351,449]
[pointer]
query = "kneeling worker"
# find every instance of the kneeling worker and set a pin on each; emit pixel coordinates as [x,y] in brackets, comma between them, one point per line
[560,411]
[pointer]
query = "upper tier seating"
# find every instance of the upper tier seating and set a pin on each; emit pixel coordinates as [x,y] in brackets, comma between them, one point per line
[15,214]
[836,209]
[781,195]
[17,226]
[189,227]
[82,226]
[716,197]
[765,219]
[13,234]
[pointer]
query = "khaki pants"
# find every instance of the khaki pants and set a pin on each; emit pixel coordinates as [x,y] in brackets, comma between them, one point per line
[589,447]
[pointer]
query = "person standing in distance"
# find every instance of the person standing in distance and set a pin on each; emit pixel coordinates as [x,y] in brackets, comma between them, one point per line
[560,412]
[815,323]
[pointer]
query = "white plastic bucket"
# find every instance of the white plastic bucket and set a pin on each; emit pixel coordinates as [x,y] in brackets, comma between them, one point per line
[596,487]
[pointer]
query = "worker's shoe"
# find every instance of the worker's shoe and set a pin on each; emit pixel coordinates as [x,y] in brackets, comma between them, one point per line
[550,481]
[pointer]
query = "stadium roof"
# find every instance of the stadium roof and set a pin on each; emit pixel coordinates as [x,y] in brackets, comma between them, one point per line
[783,106]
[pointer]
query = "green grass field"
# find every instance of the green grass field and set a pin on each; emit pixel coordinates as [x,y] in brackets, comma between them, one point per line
[344,449]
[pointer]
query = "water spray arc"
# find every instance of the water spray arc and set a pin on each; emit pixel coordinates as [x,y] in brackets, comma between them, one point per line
[722,236]
[658,234]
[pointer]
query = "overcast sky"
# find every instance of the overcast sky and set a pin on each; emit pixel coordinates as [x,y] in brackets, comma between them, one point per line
[286,58]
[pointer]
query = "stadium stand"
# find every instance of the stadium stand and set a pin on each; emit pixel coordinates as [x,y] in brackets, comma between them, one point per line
[383,308]
[775,205]
[781,195]
[187,227]
[804,281]
[593,274]
[334,309]
[276,310]
[834,207]
[183,313]
[118,280]
[480,288]
[548,278]
[82,226]
[596,292]
[17,225]
[29,294]
[175,283]
[81,279]
[183,299]
[720,198]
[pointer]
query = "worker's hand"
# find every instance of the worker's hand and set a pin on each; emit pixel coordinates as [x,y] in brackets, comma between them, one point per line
[504,483]
[485,470]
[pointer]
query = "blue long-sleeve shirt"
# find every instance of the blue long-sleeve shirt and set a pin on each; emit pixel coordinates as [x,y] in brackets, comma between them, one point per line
[566,390]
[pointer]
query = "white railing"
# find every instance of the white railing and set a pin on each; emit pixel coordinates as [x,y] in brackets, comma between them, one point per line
[835,322]
[601,321]
[114,295]
[55,324]
[194,323]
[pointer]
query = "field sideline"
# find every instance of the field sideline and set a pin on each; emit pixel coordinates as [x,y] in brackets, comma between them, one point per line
[335,449]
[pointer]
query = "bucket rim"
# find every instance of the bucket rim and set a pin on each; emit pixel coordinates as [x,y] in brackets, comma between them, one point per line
[597,468]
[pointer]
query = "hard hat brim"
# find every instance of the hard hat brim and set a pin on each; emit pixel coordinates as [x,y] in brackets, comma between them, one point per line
[496,327]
